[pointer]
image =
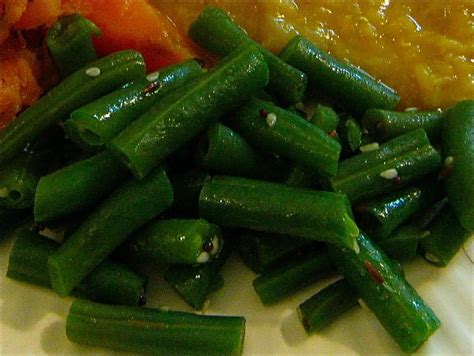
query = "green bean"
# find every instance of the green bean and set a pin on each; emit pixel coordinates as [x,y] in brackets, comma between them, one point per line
[400,310]
[317,312]
[394,164]
[386,124]
[301,177]
[402,243]
[350,134]
[225,151]
[189,110]
[107,283]
[194,283]
[174,241]
[187,187]
[446,237]
[77,187]
[272,207]
[80,88]
[292,276]
[325,118]
[128,208]
[262,251]
[458,144]
[270,128]
[152,331]
[216,31]
[94,125]
[70,43]
[351,87]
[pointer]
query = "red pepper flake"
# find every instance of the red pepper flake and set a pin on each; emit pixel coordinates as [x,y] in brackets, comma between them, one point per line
[397,180]
[374,273]
[333,133]
[152,87]
[263,113]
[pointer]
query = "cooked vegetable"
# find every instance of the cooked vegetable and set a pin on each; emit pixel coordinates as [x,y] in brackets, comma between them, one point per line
[188,111]
[70,43]
[108,283]
[94,125]
[129,207]
[325,118]
[401,311]
[458,145]
[273,129]
[354,89]
[80,88]
[152,331]
[187,187]
[272,207]
[350,134]
[216,31]
[394,164]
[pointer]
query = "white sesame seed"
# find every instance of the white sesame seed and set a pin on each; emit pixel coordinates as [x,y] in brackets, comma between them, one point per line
[203,257]
[356,247]
[389,173]
[93,72]
[151,77]
[215,246]
[362,304]
[165,308]
[271,119]
[431,257]
[4,192]
[411,109]
[448,161]
[369,147]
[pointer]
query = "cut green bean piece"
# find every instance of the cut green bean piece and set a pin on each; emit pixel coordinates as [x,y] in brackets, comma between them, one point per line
[215,30]
[272,207]
[80,88]
[446,237]
[94,125]
[402,244]
[225,151]
[274,285]
[77,187]
[194,283]
[152,331]
[108,283]
[385,124]
[175,241]
[261,251]
[188,111]
[132,205]
[327,305]
[349,86]
[350,134]
[458,144]
[273,129]
[70,43]
[325,118]
[393,165]
[401,311]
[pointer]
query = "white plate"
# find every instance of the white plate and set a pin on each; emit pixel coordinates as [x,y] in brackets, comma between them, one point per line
[33,319]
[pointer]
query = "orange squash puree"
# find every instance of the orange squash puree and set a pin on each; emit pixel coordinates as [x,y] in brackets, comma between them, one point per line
[422,48]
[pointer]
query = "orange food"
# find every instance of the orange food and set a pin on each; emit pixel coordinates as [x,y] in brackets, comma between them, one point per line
[39,13]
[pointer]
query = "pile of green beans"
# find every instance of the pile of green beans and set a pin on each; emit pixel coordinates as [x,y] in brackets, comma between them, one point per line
[144,188]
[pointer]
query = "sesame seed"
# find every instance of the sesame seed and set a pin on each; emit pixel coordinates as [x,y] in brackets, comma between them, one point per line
[448,161]
[215,246]
[369,147]
[389,173]
[362,304]
[411,109]
[203,257]
[431,257]
[271,119]
[165,308]
[93,72]
[356,247]
[151,77]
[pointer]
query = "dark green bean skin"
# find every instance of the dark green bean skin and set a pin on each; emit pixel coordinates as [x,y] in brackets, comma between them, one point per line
[395,164]
[274,285]
[187,187]
[152,331]
[70,43]
[319,311]
[272,207]
[348,85]
[188,111]
[261,251]
[10,219]
[386,124]
[77,187]
[273,129]
[325,118]
[108,283]
[216,31]
[94,125]
[176,241]
[458,143]
[401,311]
[75,91]
[402,243]
[446,237]
[225,151]
[350,134]
[194,283]
[132,205]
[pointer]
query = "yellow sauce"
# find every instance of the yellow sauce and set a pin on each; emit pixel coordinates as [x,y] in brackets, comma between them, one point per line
[422,48]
